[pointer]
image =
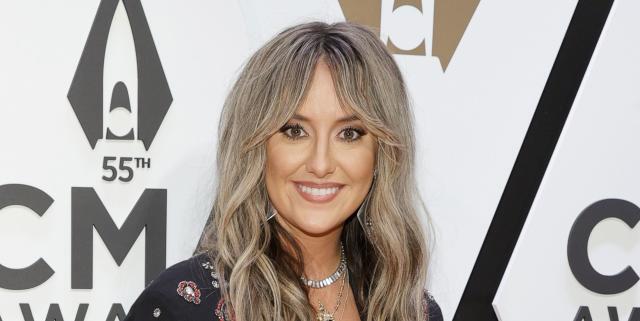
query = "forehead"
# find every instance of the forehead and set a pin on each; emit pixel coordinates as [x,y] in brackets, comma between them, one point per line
[321,101]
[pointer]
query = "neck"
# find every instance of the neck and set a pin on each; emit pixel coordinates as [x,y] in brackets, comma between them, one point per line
[321,253]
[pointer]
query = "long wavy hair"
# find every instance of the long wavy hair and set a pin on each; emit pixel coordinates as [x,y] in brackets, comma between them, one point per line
[259,263]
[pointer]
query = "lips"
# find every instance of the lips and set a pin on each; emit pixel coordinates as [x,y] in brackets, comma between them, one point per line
[318,193]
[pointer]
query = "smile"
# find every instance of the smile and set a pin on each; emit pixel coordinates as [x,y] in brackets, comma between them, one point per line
[317,195]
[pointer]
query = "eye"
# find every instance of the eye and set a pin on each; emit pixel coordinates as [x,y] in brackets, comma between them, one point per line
[292,131]
[352,134]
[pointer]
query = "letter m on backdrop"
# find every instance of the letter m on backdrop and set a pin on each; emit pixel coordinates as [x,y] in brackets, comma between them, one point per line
[88,212]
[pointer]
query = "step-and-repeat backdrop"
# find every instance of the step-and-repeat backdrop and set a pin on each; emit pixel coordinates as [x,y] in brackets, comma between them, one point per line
[528,122]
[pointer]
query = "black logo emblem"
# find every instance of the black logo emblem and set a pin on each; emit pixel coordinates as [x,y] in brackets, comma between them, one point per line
[85,94]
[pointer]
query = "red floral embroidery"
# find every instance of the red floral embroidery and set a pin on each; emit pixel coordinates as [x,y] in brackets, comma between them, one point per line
[189,291]
[222,312]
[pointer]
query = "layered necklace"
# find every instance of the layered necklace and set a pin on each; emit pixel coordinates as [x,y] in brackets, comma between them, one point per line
[323,314]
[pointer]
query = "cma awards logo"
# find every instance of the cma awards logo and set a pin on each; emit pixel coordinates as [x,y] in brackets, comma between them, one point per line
[450,21]
[86,91]
[89,215]
[578,256]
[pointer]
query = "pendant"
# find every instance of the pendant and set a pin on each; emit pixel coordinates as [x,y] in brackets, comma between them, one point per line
[323,314]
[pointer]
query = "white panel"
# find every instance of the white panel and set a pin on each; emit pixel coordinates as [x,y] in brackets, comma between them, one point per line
[596,158]
[201,45]
[471,121]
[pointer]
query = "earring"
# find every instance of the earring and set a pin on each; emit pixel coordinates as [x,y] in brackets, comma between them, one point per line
[272,212]
[366,226]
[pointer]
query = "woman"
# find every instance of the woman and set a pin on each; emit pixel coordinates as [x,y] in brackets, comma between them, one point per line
[315,214]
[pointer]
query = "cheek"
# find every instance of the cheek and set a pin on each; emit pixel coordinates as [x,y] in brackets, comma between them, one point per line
[282,161]
[358,164]
[281,164]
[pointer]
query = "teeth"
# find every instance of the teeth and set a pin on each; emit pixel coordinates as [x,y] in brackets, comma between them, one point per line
[318,191]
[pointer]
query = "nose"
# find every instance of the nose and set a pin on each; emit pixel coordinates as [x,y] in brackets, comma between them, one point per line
[320,161]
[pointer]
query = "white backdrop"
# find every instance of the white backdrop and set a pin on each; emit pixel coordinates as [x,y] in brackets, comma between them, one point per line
[471,121]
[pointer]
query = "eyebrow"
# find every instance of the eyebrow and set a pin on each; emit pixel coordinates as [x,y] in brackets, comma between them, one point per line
[340,120]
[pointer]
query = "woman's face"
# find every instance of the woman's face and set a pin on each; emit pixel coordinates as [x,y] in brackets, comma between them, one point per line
[320,164]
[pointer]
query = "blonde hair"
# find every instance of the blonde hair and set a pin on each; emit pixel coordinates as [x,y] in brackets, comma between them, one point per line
[389,265]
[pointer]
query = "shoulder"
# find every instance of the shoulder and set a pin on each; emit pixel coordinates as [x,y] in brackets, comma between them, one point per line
[431,308]
[187,288]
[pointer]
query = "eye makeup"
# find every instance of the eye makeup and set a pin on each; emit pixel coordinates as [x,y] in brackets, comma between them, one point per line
[292,132]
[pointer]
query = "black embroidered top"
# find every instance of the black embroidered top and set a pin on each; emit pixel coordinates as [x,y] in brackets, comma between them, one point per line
[189,291]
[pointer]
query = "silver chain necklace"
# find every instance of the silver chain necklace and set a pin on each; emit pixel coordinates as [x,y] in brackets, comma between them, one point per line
[331,278]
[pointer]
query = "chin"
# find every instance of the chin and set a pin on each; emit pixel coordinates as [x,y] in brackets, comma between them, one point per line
[316,228]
